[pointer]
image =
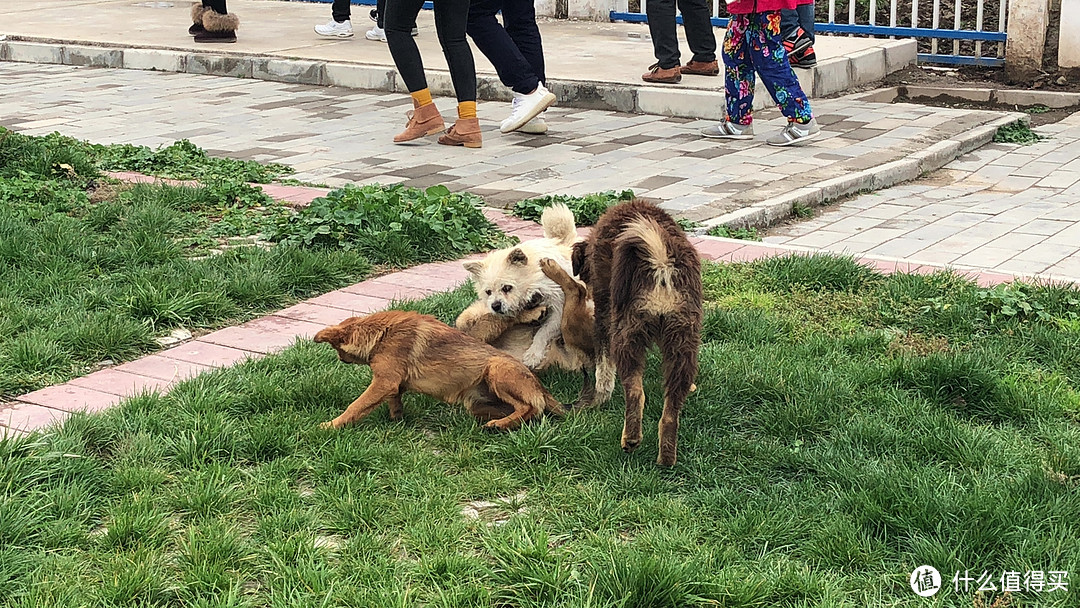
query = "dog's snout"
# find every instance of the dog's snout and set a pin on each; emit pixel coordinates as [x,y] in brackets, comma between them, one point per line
[497,306]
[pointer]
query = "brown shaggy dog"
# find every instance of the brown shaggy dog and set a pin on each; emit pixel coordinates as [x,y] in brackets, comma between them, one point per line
[408,351]
[646,282]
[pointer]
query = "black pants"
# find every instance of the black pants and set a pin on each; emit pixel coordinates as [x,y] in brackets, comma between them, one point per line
[792,19]
[514,47]
[341,10]
[451,17]
[217,5]
[699,32]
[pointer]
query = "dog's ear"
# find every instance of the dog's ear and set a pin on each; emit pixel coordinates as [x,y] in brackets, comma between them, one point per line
[473,268]
[518,257]
[578,260]
[332,335]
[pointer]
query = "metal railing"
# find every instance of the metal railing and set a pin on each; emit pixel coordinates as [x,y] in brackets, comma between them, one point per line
[976,36]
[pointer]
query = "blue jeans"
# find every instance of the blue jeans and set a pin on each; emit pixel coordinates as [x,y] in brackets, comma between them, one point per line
[802,16]
[514,48]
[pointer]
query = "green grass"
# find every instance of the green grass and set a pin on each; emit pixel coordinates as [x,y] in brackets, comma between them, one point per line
[847,428]
[745,234]
[93,271]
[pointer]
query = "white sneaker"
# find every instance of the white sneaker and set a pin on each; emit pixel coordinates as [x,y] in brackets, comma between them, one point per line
[376,33]
[536,126]
[333,29]
[527,107]
[794,133]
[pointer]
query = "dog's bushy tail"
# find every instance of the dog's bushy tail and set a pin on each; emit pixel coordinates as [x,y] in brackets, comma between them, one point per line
[558,223]
[640,246]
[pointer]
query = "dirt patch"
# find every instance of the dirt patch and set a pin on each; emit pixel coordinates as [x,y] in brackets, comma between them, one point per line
[970,76]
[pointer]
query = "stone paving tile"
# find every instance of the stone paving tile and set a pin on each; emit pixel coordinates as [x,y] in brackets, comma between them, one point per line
[204,353]
[71,398]
[1005,207]
[121,383]
[263,335]
[585,151]
[163,368]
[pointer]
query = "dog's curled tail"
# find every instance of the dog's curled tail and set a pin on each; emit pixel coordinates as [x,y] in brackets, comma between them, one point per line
[645,235]
[558,223]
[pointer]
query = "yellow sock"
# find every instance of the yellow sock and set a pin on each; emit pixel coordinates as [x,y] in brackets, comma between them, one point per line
[422,97]
[466,109]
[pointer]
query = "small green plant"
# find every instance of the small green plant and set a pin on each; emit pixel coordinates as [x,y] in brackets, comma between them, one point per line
[802,210]
[587,209]
[393,224]
[1020,301]
[1037,109]
[1016,133]
[687,225]
[743,234]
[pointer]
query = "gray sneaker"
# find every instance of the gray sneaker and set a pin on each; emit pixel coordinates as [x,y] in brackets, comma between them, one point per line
[729,130]
[794,133]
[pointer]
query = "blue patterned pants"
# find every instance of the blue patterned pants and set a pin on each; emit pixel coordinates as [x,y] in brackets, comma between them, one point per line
[753,44]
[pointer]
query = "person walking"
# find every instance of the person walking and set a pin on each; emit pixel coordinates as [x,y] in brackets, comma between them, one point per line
[340,25]
[753,45]
[451,18]
[516,51]
[797,29]
[211,22]
[697,22]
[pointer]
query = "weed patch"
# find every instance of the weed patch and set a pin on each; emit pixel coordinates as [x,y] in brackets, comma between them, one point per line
[587,209]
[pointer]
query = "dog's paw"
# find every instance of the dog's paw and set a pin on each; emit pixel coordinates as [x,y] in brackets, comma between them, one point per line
[533,357]
[549,267]
[492,427]
[329,424]
[630,444]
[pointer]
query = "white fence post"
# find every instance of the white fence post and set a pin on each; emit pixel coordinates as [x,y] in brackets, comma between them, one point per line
[1069,40]
[1028,20]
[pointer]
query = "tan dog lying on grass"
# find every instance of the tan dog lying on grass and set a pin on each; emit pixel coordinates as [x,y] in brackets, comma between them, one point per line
[408,351]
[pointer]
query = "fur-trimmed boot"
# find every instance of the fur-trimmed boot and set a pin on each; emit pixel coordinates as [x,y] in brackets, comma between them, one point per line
[219,28]
[465,132]
[197,11]
[423,120]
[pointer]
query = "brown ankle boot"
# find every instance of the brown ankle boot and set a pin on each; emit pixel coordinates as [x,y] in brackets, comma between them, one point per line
[424,120]
[465,132]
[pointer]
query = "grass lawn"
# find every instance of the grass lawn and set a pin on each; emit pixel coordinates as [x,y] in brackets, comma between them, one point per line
[94,270]
[847,428]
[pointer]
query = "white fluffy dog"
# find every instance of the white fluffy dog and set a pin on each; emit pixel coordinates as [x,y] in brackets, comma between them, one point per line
[512,290]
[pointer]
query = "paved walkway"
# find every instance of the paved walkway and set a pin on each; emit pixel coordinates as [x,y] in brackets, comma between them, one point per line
[582,51]
[336,136]
[1004,207]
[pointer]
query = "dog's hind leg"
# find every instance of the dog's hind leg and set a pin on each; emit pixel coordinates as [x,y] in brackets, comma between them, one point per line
[587,396]
[395,405]
[629,346]
[379,390]
[679,342]
[517,388]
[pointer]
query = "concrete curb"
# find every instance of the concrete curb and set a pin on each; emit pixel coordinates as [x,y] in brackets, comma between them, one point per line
[831,76]
[777,209]
[1052,99]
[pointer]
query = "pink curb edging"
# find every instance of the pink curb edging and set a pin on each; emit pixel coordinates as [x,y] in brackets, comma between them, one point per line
[162,370]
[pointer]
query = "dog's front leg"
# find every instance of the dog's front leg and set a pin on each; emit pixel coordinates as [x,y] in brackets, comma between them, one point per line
[547,333]
[378,391]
